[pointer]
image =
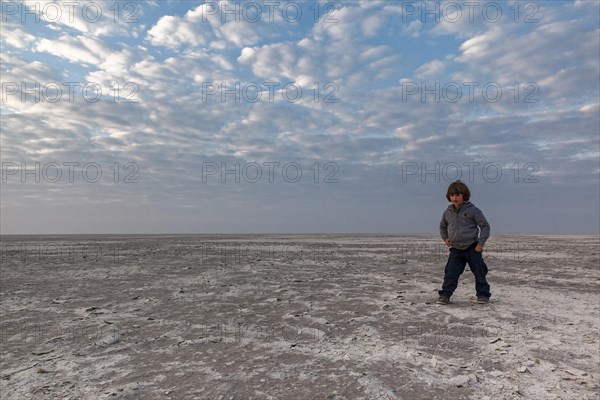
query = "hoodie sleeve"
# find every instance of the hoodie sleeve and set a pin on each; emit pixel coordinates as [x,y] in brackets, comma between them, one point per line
[483,225]
[444,227]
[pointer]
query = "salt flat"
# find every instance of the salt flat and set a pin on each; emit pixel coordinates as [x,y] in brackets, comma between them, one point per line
[296,317]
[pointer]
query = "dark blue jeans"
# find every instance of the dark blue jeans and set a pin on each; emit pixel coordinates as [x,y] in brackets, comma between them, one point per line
[455,267]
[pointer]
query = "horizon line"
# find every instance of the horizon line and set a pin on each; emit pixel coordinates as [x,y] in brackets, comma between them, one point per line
[288,233]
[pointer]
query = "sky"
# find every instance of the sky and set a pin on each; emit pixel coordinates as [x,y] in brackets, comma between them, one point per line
[297,116]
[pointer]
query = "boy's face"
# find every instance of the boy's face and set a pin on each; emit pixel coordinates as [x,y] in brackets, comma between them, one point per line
[457,200]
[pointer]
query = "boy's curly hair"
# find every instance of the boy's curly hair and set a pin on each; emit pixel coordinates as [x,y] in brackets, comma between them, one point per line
[458,187]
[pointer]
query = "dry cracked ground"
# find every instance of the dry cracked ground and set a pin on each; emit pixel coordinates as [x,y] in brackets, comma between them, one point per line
[295,317]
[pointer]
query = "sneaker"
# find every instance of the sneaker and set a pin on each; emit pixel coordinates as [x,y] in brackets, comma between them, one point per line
[443,300]
[480,300]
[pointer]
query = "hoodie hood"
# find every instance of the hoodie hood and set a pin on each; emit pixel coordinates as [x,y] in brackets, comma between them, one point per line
[466,205]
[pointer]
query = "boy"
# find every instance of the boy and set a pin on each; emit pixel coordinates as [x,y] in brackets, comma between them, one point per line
[465,230]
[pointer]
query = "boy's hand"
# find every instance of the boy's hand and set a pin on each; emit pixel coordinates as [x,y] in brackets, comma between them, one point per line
[479,248]
[448,242]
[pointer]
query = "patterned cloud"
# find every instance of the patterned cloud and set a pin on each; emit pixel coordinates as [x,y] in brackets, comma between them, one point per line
[381,97]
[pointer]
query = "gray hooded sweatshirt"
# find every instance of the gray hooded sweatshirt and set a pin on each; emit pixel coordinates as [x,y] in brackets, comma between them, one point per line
[464,226]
